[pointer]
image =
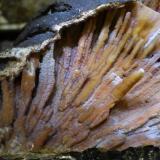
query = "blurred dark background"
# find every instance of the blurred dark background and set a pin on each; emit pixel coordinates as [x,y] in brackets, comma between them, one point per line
[14,14]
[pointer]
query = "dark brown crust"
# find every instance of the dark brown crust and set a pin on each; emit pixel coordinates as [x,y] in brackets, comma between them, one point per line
[61,13]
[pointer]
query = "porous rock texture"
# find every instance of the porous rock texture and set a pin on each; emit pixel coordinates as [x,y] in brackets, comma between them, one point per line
[89,79]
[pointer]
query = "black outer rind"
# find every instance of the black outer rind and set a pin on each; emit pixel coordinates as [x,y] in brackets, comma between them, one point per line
[56,14]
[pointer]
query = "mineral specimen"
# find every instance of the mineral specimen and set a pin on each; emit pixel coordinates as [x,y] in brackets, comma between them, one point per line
[83,77]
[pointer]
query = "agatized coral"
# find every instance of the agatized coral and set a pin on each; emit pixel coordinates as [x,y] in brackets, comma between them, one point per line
[94,85]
